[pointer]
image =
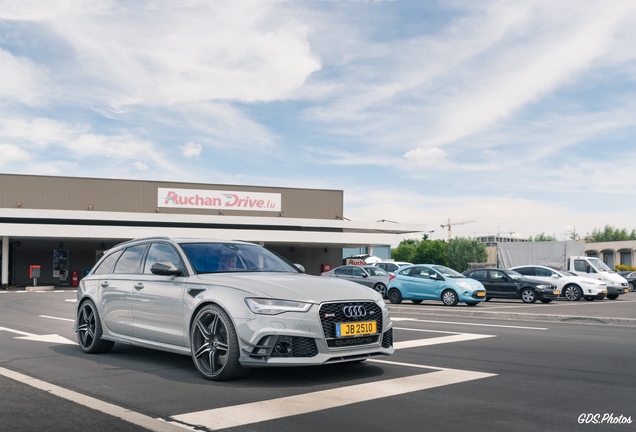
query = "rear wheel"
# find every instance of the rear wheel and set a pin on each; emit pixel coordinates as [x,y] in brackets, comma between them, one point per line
[572,293]
[214,345]
[449,298]
[395,296]
[89,330]
[528,295]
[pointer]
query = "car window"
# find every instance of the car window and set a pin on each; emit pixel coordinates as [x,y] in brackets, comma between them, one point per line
[130,260]
[542,272]
[526,271]
[357,271]
[162,253]
[423,272]
[479,274]
[406,271]
[344,271]
[497,275]
[373,271]
[106,266]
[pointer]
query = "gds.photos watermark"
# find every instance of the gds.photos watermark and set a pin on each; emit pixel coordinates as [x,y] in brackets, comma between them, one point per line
[607,418]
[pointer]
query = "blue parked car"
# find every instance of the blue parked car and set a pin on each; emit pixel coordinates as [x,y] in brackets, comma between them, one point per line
[421,282]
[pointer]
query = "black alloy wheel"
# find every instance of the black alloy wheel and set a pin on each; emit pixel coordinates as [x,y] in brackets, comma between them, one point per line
[214,345]
[89,330]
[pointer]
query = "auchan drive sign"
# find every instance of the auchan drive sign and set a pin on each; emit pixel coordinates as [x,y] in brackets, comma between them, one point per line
[218,200]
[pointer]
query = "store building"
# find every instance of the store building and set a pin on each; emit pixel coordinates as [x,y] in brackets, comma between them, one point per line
[61,225]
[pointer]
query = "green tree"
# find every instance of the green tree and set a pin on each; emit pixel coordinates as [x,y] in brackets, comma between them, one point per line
[542,237]
[462,251]
[405,250]
[610,234]
[431,252]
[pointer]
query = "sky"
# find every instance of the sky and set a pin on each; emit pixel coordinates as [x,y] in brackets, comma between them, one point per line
[504,117]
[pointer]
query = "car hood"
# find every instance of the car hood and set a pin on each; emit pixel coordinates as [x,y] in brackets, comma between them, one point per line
[474,283]
[290,286]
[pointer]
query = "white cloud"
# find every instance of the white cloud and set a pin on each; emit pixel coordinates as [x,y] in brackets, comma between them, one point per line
[141,166]
[20,79]
[191,149]
[426,156]
[12,153]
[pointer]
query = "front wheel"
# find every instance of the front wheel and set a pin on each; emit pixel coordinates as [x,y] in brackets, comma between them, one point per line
[471,304]
[89,330]
[395,296]
[528,295]
[572,293]
[381,289]
[546,301]
[449,298]
[416,301]
[612,296]
[214,345]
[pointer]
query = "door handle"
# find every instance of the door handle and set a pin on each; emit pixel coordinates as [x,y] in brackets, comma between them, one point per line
[139,286]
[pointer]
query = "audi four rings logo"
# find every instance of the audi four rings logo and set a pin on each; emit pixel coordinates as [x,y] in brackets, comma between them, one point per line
[354,311]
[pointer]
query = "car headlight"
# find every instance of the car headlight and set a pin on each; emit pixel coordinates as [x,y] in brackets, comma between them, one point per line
[263,306]
[543,287]
[464,285]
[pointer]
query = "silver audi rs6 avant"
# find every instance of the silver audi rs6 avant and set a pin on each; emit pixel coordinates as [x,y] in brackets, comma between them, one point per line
[230,305]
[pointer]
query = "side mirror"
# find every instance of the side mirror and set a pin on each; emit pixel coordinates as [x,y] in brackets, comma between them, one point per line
[165,269]
[555,276]
[300,267]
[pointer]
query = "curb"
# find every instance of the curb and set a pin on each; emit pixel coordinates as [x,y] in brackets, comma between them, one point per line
[572,319]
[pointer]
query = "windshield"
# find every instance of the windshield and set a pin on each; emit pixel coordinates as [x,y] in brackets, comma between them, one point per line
[600,265]
[448,272]
[514,275]
[233,257]
[376,271]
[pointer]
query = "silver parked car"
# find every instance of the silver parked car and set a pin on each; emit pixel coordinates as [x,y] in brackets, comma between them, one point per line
[230,305]
[371,276]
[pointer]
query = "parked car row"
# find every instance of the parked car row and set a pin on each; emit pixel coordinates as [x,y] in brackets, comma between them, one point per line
[418,282]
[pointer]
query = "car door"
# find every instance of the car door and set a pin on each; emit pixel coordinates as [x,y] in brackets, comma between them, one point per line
[502,285]
[116,291]
[482,276]
[421,285]
[158,300]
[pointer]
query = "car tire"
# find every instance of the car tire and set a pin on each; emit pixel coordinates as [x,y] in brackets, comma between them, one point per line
[612,296]
[89,330]
[214,345]
[632,286]
[572,293]
[528,295]
[395,296]
[416,301]
[546,301]
[449,298]
[472,304]
[589,298]
[380,288]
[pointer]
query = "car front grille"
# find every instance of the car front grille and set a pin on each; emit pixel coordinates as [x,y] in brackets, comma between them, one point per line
[332,313]
[284,346]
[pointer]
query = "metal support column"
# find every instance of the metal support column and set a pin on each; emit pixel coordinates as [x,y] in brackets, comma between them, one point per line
[5,262]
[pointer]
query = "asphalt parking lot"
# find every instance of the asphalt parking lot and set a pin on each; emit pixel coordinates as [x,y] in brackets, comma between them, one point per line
[619,312]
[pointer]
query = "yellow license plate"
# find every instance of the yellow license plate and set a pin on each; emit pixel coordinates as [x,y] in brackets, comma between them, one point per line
[557,292]
[481,294]
[355,328]
[626,290]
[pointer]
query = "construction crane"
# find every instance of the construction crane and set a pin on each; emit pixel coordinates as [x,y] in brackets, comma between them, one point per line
[449,225]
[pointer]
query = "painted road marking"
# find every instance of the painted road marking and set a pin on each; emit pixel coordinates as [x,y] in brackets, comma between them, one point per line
[57,318]
[395,319]
[51,338]
[239,415]
[152,424]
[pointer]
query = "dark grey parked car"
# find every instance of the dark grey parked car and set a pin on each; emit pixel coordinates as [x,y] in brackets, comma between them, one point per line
[631,278]
[371,276]
[500,283]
